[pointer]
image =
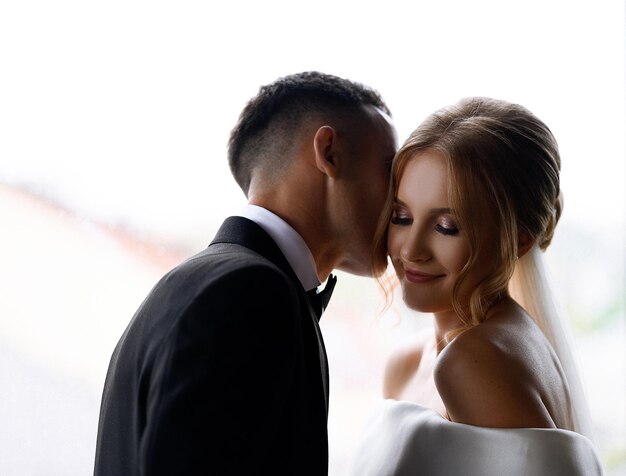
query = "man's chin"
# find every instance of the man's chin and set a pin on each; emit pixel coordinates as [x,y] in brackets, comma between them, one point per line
[365,268]
[357,268]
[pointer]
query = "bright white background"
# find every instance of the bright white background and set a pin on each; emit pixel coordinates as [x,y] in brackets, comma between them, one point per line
[114,118]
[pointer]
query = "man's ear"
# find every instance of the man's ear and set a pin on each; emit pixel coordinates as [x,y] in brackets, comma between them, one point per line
[325,146]
[525,242]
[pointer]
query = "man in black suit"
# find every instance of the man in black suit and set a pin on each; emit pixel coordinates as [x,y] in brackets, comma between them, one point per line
[222,370]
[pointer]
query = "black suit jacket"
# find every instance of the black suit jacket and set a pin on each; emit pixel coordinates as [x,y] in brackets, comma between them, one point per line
[222,370]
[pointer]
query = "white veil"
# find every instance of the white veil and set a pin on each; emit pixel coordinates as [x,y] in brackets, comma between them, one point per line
[530,287]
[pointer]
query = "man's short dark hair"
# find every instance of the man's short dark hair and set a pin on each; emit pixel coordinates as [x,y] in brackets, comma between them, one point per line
[267,126]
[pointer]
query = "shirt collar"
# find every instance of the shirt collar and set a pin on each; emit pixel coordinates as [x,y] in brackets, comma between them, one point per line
[289,241]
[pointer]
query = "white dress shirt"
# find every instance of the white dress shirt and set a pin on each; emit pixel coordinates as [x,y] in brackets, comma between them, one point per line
[290,243]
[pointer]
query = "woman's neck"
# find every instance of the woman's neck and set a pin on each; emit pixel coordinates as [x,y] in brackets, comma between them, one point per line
[445,322]
[449,320]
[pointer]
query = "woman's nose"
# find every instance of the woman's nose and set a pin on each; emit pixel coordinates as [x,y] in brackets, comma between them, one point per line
[415,247]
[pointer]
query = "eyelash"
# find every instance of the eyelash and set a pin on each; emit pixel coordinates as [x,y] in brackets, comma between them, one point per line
[446,231]
[396,220]
[403,221]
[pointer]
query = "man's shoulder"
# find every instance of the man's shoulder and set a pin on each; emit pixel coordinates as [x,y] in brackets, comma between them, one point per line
[214,279]
[222,266]
[224,258]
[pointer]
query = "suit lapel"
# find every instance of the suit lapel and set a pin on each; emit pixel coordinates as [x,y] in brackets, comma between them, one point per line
[244,232]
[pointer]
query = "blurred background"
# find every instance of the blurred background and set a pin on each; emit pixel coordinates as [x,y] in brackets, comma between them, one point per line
[114,118]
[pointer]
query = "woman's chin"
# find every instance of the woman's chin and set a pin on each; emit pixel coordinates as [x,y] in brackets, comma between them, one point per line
[419,305]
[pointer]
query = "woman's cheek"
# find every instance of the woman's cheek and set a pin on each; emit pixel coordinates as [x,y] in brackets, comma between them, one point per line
[453,254]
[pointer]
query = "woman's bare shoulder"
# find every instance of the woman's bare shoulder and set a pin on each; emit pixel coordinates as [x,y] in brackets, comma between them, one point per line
[484,378]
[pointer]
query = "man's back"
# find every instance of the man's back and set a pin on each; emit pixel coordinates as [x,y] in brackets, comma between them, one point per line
[218,372]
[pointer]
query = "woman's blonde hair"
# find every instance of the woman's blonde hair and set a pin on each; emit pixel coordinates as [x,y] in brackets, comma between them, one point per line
[503,167]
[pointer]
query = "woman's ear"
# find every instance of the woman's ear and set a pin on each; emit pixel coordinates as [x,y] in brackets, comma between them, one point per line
[525,242]
[325,146]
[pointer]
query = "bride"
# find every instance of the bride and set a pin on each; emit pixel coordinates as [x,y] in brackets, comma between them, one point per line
[492,388]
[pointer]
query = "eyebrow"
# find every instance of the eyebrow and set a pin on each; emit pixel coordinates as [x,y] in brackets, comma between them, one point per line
[433,210]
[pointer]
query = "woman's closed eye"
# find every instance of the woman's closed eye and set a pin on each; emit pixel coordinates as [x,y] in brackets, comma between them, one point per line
[446,231]
[447,227]
[399,219]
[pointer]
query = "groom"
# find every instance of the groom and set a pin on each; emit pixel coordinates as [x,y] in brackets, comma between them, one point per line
[222,370]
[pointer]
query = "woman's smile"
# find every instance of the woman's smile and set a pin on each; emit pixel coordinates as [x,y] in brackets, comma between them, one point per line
[418,277]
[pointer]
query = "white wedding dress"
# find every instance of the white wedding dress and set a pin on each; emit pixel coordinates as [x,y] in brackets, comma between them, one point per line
[403,438]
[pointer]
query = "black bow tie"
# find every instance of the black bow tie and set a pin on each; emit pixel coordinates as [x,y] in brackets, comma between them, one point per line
[319,300]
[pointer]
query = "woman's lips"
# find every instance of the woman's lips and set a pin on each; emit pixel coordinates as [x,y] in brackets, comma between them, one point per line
[419,277]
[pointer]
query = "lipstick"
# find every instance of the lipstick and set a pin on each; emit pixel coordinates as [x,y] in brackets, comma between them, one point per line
[419,277]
